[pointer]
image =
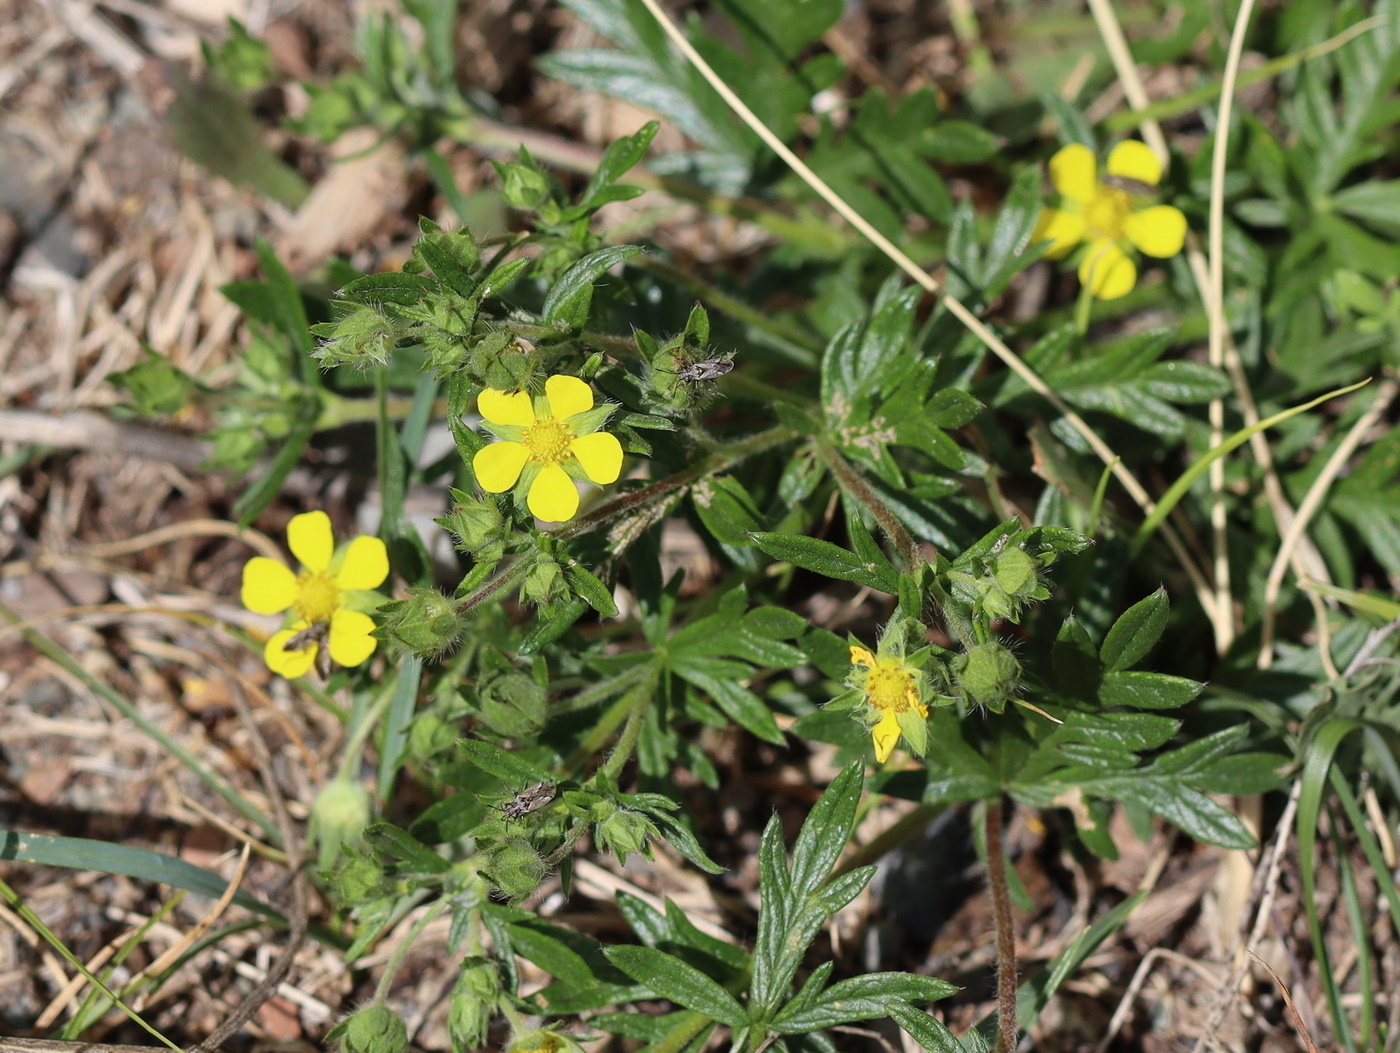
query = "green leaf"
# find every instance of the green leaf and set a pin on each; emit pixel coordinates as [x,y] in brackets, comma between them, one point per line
[589,588]
[679,837]
[503,764]
[958,143]
[929,1033]
[865,997]
[105,857]
[568,302]
[1376,203]
[1184,382]
[1135,633]
[620,156]
[400,844]
[262,493]
[1193,812]
[839,891]
[1147,690]
[711,676]
[832,561]
[826,830]
[539,942]
[726,509]
[682,983]
[392,287]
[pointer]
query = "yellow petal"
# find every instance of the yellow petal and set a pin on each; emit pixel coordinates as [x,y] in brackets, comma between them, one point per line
[1064,230]
[351,642]
[1158,231]
[553,496]
[498,466]
[1107,271]
[860,656]
[601,456]
[310,538]
[506,407]
[365,564]
[1073,172]
[885,736]
[1134,160]
[567,396]
[290,664]
[268,586]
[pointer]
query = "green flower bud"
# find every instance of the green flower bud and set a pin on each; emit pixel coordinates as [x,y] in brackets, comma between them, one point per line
[515,868]
[358,879]
[339,816]
[155,385]
[523,185]
[473,1000]
[543,1042]
[503,361]
[362,338]
[476,527]
[374,1029]
[623,833]
[426,623]
[988,675]
[544,584]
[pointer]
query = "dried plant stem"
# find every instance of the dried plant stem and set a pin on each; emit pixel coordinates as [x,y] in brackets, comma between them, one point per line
[1312,501]
[954,306]
[1006,934]
[1215,305]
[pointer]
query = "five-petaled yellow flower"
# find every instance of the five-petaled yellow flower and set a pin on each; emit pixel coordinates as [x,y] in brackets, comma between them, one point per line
[1103,212]
[893,689]
[546,443]
[322,598]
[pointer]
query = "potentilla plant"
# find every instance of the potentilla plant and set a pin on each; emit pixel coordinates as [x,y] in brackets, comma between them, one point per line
[540,705]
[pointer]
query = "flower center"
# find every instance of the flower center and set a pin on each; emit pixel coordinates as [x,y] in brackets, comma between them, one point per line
[318,596]
[548,440]
[889,686]
[1106,211]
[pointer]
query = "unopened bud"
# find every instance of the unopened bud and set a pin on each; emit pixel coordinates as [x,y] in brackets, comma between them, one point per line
[515,868]
[426,623]
[988,675]
[374,1029]
[339,816]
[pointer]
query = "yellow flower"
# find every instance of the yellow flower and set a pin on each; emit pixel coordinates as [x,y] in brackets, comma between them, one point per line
[546,443]
[320,598]
[893,691]
[1103,212]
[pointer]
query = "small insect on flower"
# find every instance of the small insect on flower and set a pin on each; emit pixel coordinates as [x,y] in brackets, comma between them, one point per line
[530,799]
[318,633]
[710,369]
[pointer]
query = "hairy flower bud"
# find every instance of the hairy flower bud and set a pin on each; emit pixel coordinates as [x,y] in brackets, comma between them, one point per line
[472,1002]
[374,1029]
[988,675]
[426,623]
[515,868]
[476,526]
[339,816]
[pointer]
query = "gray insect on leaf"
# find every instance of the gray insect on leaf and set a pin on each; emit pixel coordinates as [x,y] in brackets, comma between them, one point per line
[530,799]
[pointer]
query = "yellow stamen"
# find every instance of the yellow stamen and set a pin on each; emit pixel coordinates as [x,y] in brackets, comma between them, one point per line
[318,596]
[547,440]
[1105,212]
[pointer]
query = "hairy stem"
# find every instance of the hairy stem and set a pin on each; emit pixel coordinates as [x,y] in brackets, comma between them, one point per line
[852,483]
[1006,936]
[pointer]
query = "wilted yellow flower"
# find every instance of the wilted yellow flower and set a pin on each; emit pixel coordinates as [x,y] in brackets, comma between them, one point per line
[893,689]
[546,443]
[321,599]
[1104,212]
